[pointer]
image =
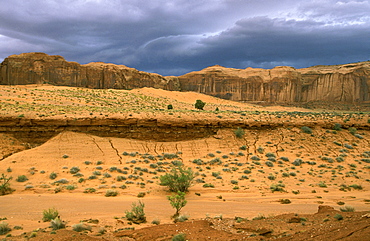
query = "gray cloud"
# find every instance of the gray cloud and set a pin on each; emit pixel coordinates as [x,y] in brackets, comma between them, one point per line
[175,37]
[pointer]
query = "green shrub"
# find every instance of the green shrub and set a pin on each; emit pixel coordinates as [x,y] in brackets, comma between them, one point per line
[137,214]
[277,187]
[4,228]
[239,133]
[177,201]
[199,104]
[49,214]
[5,185]
[111,193]
[285,201]
[338,217]
[141,194]
[53,175]
[57,223]
[306,129]
[74,170]
[179,237]
[89,190]
[337,127]
[347,209]
[179,179]
[209,185]
[79,227]
[169,107]
[21,178]
[156,221]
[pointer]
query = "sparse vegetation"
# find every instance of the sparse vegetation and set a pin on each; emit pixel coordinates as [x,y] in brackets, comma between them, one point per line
[179,179]
[5,185]
[137,214]
[49,214]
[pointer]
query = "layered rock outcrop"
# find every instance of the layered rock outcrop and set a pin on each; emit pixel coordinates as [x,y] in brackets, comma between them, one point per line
[39,68]
[348,83]
[342,83]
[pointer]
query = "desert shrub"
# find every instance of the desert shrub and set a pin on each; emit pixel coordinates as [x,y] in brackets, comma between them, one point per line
[120,178]
[337,127]
[169,107]
[255,158]
[57,223]
[322,184]
[179,179]
[179,237]
[235,182]
[141,194]
[4,228]
[277,187]
[352,130]
[269,164]
[181,218]
[79,227]
[306,129]
[208,185]
[21,178]
[285,201]
[271,177]
[239,133]
[74,170]
[90,190]
[356,186]
[111,193]
[137,214]
[49,214]
[286,159]
[358,136]
[260,150]
[156,221]
[338,217]
[71,187]
[5,185]
[244,147]
[347,209]
[297,162]
[177,201]
[199,104]
[62,181]
[270,154]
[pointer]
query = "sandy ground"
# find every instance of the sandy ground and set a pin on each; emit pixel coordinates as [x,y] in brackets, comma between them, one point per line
[237,167]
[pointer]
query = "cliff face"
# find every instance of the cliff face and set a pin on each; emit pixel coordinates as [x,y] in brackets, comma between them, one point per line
[281,84]
[39,68]
[348,83]
[343,83]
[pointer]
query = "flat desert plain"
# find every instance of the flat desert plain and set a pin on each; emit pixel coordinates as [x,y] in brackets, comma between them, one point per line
[261,173]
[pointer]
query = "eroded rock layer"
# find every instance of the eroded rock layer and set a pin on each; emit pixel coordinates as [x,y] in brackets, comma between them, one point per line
[348,83]
[40,68]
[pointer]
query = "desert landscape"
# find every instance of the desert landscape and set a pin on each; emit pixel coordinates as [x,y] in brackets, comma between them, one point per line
[282,164]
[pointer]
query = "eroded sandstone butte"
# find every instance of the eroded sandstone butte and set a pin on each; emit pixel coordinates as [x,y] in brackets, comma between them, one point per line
[40,68]
[349,83]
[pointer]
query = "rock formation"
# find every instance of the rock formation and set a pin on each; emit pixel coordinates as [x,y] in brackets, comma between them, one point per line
[39,68]
[348,83]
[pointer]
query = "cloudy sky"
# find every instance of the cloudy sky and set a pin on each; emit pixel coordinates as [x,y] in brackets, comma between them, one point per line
[173,37]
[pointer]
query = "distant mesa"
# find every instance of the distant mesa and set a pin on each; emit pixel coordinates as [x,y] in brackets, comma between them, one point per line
[348,83]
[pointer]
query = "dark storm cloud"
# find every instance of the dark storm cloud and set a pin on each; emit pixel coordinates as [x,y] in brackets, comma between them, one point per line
[175,37]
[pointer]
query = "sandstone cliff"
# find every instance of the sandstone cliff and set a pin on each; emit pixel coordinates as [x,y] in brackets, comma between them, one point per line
[348,83]
[343,83]
[39,68]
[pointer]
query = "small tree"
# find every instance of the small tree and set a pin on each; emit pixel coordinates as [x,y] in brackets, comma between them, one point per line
[5,185]
[137,214]
[199,104]
[177,201]
[179,179]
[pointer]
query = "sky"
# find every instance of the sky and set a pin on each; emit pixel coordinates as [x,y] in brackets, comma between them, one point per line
[179,36]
